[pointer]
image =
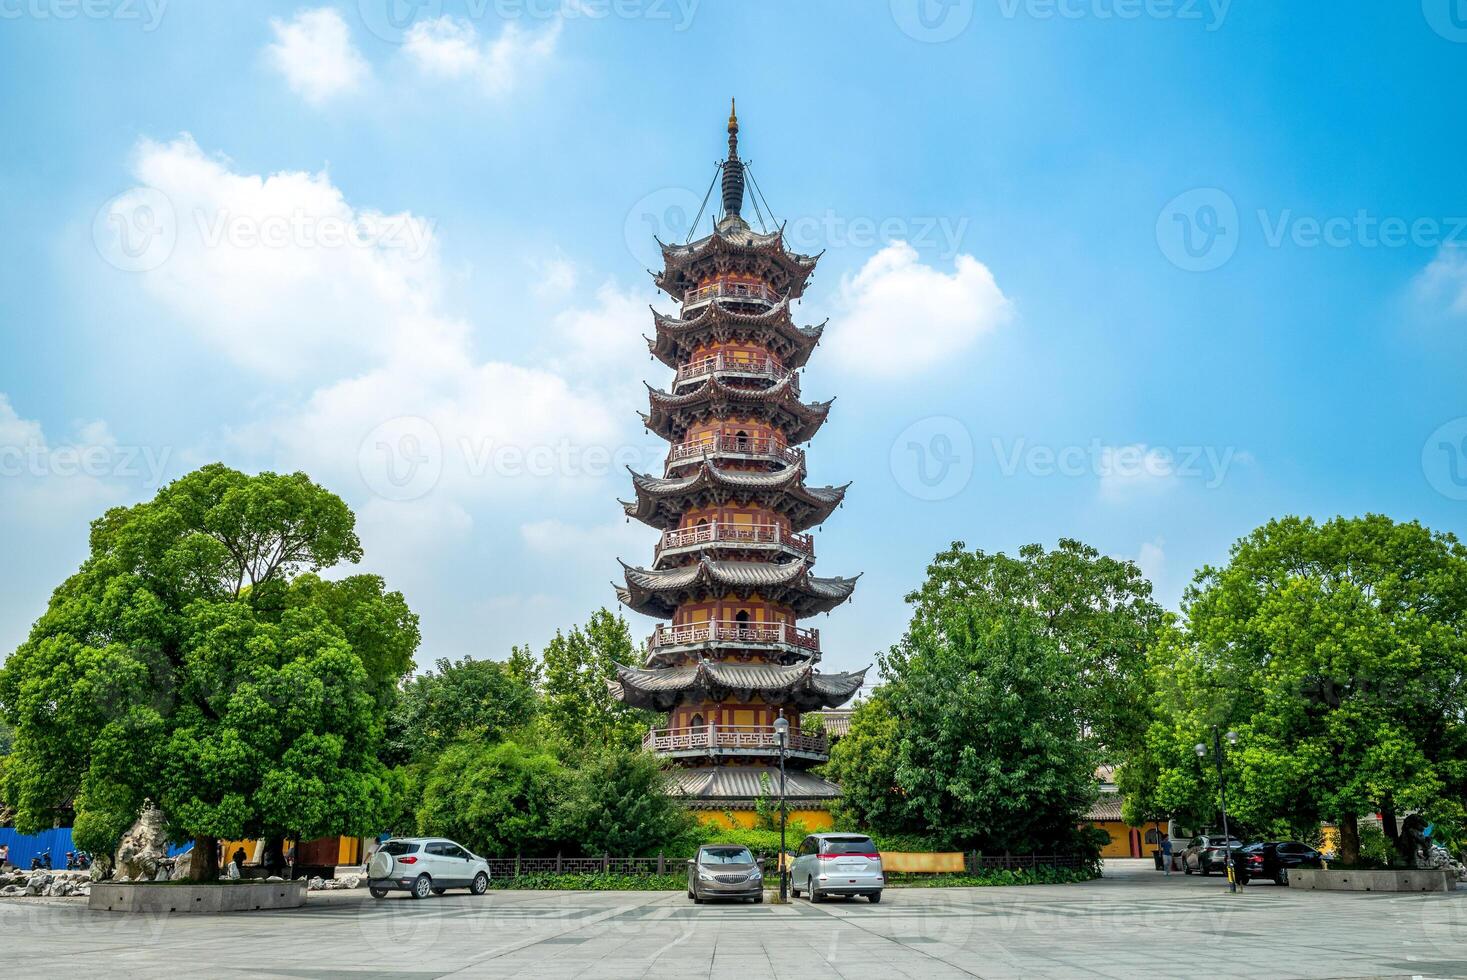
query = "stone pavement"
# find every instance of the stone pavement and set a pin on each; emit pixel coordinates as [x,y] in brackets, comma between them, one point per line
[1133,923]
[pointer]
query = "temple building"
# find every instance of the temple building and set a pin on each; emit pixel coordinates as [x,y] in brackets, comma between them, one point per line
[733,574]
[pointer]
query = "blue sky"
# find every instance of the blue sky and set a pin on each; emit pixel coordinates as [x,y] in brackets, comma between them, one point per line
[1144,274]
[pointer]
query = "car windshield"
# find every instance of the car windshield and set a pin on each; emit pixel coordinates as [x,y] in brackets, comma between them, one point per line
[398,847]
[847,845]
[727,855]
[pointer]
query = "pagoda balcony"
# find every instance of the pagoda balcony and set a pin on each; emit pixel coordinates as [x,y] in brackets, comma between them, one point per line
[738,292]
[761,537]
[755,366]
[733,741]
[737,447]
[729,632]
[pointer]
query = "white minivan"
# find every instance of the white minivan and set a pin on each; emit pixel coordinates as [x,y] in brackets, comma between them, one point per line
[424,866]
[837,864]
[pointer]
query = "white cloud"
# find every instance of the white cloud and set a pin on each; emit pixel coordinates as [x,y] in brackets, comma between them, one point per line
[279,272]
[899,317]
[1152,560]
[556,277]
[1442,285]
[314,52]
[451,49]
[1135,470]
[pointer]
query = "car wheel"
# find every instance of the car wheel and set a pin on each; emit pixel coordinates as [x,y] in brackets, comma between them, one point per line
[690,893]
[1283,879]
[875,898]
[1202,869]
[1186,868]
[481,884]
[815,896]
[423,887]
[758,899]
[378,892]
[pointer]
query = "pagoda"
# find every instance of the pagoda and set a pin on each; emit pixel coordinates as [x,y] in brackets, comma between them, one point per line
[733,573]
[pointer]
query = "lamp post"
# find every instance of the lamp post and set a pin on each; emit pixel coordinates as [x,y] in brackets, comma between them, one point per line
[1222,793]
[782,736]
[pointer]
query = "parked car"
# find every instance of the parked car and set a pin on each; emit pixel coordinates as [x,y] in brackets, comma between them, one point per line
[425,865]
[724,871]
[1206,854]
[837,864]
[1273,859]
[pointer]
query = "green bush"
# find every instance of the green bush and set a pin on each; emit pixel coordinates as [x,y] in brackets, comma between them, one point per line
[1015,876]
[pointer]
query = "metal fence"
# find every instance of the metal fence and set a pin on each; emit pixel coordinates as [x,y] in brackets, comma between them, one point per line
[665,864]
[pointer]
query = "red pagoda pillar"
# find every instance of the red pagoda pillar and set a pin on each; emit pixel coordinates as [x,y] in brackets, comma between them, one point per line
[732,573]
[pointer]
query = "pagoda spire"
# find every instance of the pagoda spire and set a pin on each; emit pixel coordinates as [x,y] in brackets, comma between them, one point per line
[733,167]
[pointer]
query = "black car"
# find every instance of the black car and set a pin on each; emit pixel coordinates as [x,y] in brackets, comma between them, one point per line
[1207,854]
[1272,860]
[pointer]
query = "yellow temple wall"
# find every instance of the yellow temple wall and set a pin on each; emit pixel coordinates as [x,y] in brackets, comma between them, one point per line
[814,820]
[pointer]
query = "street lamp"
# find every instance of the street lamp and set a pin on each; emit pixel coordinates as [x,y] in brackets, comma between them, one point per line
[782,736]
[1222,792]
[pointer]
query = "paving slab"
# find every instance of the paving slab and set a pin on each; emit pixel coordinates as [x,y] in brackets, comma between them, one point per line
[1134,922]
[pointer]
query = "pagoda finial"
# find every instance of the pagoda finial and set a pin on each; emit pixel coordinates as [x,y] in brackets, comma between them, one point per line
[733,167]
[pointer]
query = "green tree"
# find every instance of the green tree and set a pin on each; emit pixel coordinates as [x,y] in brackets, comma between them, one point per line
[1097,611]
[1338,653]
[196,660]
[478,700]
[499,800]
[577,666]
[618,803]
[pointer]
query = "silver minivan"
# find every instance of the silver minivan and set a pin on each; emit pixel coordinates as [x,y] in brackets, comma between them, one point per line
[837,864]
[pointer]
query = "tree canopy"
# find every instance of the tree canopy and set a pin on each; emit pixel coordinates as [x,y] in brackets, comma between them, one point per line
[1013,678]
[1338,653]
[577,666]
[196,660]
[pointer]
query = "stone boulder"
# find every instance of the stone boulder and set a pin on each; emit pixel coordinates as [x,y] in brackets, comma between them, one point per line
[143,846]
[183,864]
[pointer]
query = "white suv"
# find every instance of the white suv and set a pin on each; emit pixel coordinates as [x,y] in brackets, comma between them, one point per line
[424,866]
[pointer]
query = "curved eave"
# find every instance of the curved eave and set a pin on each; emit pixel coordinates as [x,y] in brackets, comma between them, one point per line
[678,259]
[661,502]
[661,689]
[802,420]
[659,592]
[676,337]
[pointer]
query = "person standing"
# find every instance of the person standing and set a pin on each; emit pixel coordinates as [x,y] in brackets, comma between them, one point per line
[4,856]
[1166,854]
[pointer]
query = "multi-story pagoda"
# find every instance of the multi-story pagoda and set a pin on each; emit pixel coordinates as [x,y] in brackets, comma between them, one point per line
[733,572]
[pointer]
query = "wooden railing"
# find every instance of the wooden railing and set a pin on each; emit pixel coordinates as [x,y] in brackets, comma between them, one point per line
[742,292]
[714,737]
[728,444]
[732,363]
[722,532]
[732,631]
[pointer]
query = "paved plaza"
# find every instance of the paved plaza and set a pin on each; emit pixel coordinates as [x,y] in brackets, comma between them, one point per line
[1134,923]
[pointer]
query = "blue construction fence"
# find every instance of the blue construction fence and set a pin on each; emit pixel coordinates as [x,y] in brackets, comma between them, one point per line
[23,847]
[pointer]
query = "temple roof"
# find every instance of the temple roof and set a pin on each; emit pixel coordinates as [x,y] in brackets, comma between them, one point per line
[734,246]
[719,785]
[658,592]
[719,322]
[672,414]
[661,501]
[662,688]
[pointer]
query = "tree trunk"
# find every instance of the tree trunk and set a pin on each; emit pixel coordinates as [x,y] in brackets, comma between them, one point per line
[1388,821]
[273,858]
[204,865]
[1349,839]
